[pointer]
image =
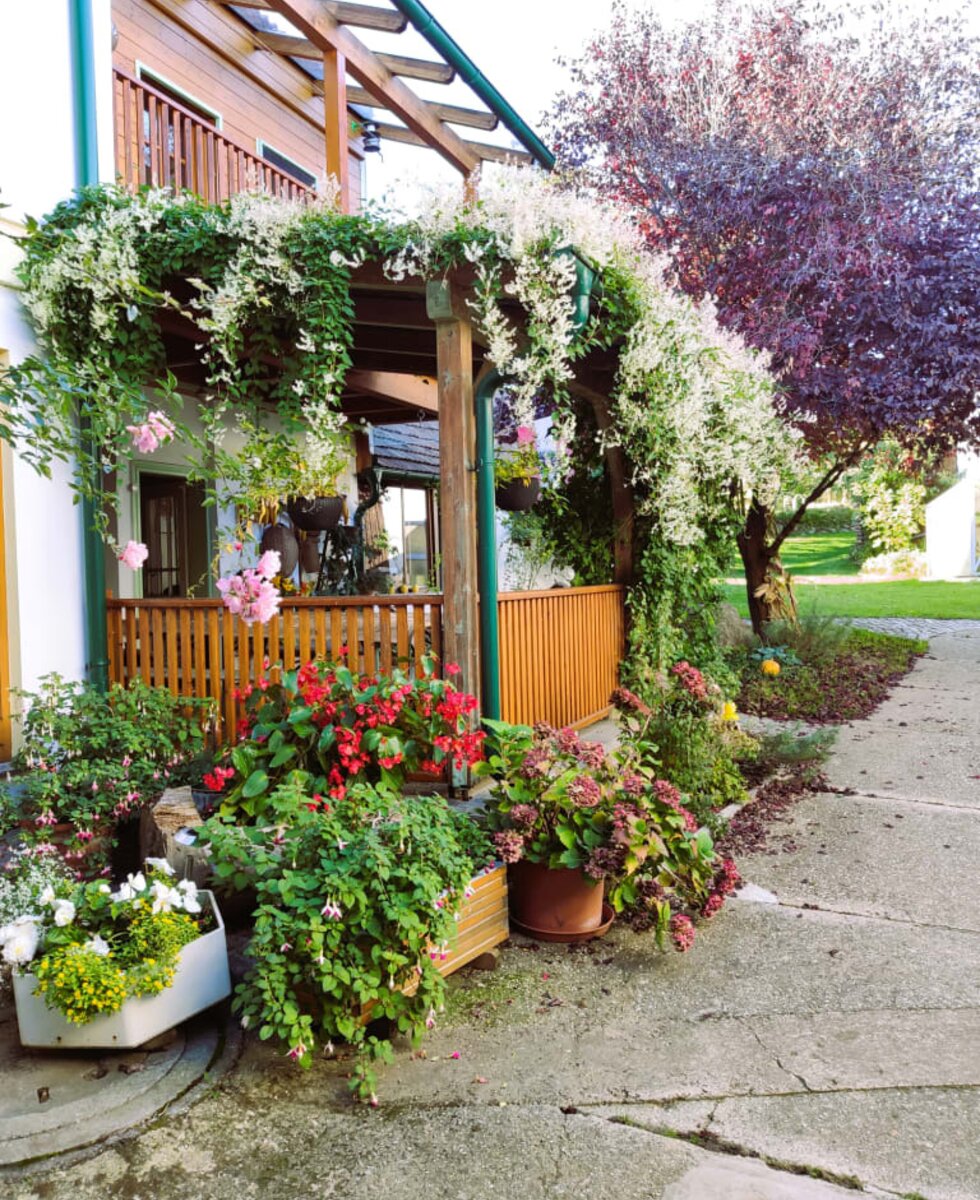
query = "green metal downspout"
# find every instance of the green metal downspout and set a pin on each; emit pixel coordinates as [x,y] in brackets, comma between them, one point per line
[486,508]
[486,532]
[87,172]
[466,69]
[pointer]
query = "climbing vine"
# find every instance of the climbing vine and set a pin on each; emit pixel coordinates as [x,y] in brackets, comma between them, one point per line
[110,277]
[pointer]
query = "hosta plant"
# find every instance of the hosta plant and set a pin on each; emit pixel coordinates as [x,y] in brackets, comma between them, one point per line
[92,948]
[342,728]
[356,909]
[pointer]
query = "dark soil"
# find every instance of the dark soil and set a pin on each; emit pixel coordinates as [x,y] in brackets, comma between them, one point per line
[751,831]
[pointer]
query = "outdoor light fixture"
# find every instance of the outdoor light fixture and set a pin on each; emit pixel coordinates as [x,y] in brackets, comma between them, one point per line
[370,137]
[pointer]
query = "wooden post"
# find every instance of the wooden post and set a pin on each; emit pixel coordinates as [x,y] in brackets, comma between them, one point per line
[457,495]
[335,122]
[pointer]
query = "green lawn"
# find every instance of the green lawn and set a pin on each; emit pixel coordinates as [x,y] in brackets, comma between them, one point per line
[820,554]
[904,598]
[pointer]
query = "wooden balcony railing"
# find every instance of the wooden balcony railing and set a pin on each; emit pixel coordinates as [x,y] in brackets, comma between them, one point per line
[162,144]
[559,651]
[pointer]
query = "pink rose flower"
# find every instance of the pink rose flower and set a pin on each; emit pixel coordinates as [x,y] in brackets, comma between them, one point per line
[525,435]
[134,556]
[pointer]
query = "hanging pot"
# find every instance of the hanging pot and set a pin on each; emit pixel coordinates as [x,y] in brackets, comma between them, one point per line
[309,553]
[557,905]
[316,512]
[278,537]
[518,495]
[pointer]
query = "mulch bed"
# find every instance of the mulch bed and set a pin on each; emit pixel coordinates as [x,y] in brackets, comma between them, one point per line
[845,688]
[751,830]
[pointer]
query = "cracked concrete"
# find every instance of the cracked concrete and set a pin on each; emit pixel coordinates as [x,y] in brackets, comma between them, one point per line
[804,1048]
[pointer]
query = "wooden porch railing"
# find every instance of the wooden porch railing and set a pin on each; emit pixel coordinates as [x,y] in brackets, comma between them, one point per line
[559,650]
[197,648]
[161,143]
[560,653]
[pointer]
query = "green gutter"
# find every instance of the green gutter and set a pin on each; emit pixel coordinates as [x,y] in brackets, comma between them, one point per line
[87,172]
[467,70]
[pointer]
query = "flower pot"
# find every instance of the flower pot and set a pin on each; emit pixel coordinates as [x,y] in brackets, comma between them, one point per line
[278,537]
[557,905]
[201,980]
[518,495]
[315,513]
[309,554]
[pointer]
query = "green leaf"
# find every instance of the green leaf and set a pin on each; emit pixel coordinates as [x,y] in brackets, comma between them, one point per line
[256,784]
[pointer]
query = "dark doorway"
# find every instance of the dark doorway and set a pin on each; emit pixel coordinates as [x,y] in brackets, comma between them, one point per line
[173,522]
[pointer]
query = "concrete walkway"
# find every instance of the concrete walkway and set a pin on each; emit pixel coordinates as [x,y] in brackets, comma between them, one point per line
[822,1038]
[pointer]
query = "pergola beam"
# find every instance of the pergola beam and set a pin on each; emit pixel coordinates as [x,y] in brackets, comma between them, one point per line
[326,33]
[445,112]
[397,64]
[414,391]
[501,154]
[364,15]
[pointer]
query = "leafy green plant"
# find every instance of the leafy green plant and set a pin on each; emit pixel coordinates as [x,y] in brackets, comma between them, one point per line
[356,909]
[338,727]
[813,637]
[784,655]
[87,758]
[788,747]
[91,949]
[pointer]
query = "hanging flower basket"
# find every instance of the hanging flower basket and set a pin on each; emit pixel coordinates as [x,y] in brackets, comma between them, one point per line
[201,979]
[315,513]
[518,495]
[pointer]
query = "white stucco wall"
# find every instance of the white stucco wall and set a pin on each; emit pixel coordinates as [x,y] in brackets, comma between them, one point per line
[37,170]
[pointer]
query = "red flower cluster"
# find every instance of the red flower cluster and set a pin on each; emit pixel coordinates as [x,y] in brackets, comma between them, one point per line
[215,780]
[681,932]
[667,794]
[365,724]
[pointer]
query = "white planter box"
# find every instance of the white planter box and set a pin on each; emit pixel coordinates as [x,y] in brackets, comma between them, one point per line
[201,980]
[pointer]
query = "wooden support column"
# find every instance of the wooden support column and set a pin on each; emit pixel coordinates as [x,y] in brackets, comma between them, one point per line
[335,122]
[457,495]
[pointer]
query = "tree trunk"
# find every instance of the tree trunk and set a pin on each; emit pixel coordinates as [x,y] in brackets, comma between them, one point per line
[753,547]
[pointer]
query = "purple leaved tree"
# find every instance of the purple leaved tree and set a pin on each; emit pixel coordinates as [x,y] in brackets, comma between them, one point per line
[817,175]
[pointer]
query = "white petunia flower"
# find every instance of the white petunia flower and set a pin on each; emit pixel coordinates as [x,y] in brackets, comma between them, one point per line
[160,864]
[98,945]
[64,912]
[20,942]
[47,896]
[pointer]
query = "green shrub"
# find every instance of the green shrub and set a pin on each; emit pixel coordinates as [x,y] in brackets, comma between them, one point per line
[813,638]
[830,518]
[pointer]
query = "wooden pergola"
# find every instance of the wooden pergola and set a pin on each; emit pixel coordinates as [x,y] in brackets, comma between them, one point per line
[319,37]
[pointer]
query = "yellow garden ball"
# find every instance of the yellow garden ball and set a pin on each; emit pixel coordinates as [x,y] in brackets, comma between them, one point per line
[770,667]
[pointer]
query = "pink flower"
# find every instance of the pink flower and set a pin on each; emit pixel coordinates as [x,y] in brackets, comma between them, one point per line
[155,431]
[269,564]
[250,596]
[455,1054]
[134,556]
[525,435]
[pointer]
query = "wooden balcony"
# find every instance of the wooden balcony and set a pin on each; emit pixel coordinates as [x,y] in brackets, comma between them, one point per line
[159,143]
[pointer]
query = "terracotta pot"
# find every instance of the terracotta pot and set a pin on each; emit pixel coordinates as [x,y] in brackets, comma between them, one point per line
[316,512]
[562,904]
[309,554]
[278,537]
[518,496]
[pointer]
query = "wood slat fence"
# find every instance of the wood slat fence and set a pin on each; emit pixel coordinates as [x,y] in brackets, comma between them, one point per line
[161,143]
[560,653]
[559,650]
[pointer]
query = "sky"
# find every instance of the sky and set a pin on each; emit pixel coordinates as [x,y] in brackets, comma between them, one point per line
[516,43]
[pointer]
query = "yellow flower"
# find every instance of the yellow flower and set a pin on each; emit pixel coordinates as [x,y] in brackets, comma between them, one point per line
[728,711]
[770,667]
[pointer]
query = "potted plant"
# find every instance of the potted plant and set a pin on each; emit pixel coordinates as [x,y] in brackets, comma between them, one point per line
[356,915]
[518,474]
[101,968]
[341,728]
[585,831]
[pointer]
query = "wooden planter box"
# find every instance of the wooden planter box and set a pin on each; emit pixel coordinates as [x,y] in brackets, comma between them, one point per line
[201,980]
[483,922]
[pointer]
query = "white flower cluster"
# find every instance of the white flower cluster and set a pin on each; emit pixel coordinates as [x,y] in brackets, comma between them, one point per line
[162,896]
[692,403]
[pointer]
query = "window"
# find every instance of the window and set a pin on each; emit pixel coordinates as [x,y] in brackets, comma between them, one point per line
[207,116]
[173,526]
[285,164]
[409,521]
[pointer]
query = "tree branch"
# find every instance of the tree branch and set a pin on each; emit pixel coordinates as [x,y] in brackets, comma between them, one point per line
[828,481]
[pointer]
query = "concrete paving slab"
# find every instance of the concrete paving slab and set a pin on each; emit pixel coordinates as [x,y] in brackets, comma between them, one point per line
[901,1141]
[877,857]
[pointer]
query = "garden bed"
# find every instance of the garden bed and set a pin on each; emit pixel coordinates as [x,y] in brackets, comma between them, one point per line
[845,684]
